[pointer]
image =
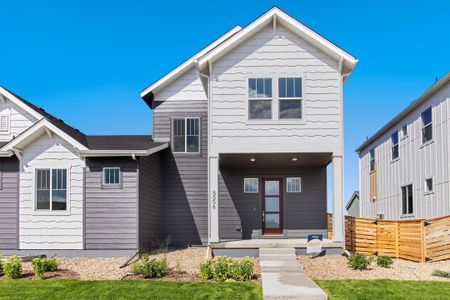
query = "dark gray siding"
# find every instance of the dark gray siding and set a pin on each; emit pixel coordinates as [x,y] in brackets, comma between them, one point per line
[9,203]
[184,176]
[240,213]
[149,200]
[111,213]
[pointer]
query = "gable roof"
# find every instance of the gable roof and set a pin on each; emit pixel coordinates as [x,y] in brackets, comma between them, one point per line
[352,199]
[238,34]
[424,97]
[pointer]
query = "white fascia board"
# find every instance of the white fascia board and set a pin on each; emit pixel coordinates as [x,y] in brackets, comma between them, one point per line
[20,103]
[111,153]
[297,27]
[34,132]
[188,63]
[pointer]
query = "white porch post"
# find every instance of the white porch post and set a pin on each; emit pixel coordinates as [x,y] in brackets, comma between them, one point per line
[213,199]
[338,199]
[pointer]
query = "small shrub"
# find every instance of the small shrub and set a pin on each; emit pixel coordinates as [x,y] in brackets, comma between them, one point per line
[206,269]
[51,264]
[384,261]
[223,268]
[12,267]
[359,261]
[39,267]
[150,268]
[439,273]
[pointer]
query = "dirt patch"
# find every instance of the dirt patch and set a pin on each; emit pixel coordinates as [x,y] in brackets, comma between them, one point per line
[335,267]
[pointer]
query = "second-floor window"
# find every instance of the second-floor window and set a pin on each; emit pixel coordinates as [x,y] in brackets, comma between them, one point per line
[186,135]
[394,141]
[260,98]
[372,160]
[290,98]
[427,125]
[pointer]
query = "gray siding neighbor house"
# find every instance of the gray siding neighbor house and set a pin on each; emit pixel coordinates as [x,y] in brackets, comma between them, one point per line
[405,166]
[353,205]
[243,133]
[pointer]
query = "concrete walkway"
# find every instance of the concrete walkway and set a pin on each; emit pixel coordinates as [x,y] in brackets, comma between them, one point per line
[283,277]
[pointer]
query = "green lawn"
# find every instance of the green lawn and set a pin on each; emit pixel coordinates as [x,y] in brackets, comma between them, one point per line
[71,289]
[385,289]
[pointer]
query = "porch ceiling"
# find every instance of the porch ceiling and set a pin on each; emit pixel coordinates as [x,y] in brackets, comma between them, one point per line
[274,160]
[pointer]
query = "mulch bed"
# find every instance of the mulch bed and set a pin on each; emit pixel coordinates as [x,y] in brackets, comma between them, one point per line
[59,274]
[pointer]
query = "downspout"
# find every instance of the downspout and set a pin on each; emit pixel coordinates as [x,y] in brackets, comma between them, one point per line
[208,96]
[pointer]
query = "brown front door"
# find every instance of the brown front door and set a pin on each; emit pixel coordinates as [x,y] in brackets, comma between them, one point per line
[272,206]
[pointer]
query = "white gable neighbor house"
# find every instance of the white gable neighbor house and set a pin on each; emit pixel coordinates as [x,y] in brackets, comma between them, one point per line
[243,132]
[265,102]
[405,166]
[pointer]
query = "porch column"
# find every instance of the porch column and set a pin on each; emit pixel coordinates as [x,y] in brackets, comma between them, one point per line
[338,199]
[213,199]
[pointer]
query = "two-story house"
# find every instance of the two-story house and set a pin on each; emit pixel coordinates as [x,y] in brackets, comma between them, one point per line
[404,167]
[243,132]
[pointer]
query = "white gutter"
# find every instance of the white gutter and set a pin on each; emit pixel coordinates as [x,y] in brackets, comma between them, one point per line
[132,153]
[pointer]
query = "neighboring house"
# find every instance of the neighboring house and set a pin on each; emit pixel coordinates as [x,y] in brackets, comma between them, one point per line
[242,134]
[405,166]
[352,206]
[63,190]
[253,120]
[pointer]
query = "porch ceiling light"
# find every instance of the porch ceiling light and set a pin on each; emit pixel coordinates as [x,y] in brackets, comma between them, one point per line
[252,159]
[294,159]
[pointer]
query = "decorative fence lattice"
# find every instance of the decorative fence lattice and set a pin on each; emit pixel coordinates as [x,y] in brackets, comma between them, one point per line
[416,240]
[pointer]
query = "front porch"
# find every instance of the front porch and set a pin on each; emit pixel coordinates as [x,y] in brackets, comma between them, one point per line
[273,200]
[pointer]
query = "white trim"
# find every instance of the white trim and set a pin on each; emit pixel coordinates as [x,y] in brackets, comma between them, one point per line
[188,63]
[257,185]
[33,130]
[20,103]
[302,30]
[111,153]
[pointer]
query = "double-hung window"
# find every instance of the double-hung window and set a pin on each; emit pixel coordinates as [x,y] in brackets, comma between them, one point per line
[111,177]
[394,142]
[260,98]
[427,125]
[407,199]
[186,135]
[51,189]
[290,97]
[372,160]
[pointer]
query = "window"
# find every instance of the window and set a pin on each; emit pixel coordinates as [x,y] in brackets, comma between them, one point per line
[4,123]
[250,185]
[260,98]
[429,185]
[427,125]
[394,141]
[294,185]
[290,98]
[51,189]
[404,131]
[111,176]
[372,160]
[407,199]
[186,135]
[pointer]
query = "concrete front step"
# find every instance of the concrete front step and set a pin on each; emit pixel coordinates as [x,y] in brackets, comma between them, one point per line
[277,251]
[280,266]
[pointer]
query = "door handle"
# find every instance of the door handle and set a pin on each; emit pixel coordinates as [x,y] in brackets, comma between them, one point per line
[263,214]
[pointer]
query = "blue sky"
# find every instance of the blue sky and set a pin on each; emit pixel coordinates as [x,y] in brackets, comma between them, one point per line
[87,61]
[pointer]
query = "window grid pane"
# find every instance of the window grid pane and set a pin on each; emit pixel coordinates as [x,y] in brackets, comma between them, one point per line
[250,185]
[59,189]
[293,185]
[111,176]
[259,88]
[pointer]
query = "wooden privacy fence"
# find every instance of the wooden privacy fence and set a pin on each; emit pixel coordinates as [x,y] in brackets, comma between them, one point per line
[416,240]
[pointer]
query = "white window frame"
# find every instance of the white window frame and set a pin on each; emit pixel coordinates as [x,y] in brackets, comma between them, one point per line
[290,98]
[395,146]
[185,134]
[256,77]
[6,116]
[109,185]
[299,184]
[251,179]
[50,210]
[427,191]
[407,205]
[372,150]
[423,126]
[404,134]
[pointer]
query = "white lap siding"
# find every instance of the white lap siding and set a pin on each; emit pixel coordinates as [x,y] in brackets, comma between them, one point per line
[57,229]
[19,120]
